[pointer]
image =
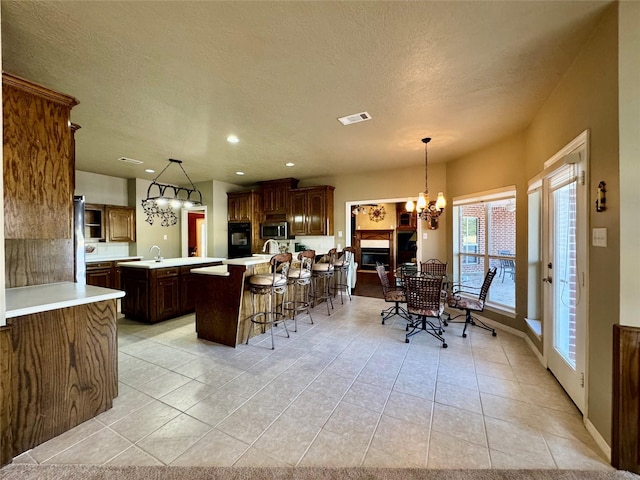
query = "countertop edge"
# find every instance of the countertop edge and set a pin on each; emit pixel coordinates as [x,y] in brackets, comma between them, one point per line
[53,296]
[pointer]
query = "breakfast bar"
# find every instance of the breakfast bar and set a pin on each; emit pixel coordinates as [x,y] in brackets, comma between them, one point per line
[223,302]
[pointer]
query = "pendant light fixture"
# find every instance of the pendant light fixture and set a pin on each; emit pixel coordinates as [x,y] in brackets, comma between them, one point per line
[428,210]
[162,198]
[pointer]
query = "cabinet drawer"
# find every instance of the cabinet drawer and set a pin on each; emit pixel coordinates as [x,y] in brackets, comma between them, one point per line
[99,265]
[167,272]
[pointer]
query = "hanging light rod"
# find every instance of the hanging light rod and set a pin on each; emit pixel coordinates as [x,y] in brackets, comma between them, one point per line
[163,198]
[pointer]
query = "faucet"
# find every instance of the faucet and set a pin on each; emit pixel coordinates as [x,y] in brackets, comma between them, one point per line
[274,247]
[157,258]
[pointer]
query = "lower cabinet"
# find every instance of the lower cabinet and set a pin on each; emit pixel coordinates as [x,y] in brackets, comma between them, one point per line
[105,274]
[157,294]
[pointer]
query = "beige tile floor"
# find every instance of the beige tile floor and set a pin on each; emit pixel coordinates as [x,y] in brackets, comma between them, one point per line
[345,391]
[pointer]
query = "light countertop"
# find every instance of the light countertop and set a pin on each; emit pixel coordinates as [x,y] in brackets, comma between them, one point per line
[246,261]
[171,262]
[52,296]
[111,258]
[217,270]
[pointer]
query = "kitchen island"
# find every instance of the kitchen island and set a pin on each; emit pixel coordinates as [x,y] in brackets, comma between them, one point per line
[223,301]
[162,290]
[60,361]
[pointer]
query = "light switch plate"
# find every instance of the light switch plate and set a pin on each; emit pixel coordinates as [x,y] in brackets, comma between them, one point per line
[599,237]
[424,235]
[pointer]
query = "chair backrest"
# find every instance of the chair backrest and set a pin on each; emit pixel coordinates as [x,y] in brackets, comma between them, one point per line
[306,258]
[423,294]
[348,254]
[435,267]
[280,264]
[484,290]
[384,279]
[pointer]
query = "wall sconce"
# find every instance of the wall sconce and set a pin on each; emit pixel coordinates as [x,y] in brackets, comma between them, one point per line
[163,198]
[601,197]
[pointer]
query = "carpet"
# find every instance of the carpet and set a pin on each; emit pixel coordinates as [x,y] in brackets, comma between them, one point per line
[86,472]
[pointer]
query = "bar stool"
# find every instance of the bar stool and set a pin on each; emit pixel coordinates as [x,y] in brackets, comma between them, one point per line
[341,267]
[299,284]
[269,286]
[321,275]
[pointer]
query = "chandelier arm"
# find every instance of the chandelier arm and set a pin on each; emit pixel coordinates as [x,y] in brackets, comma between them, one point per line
[185,173]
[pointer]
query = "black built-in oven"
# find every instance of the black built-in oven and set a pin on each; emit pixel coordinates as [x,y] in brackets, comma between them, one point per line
[239,240]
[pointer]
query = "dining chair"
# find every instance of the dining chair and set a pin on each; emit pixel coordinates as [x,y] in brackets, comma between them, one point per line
[507,265]
[471,299]
[393,295]
[433,266]
[424,299]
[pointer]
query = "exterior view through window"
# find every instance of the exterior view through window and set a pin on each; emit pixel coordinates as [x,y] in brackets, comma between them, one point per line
[485,237]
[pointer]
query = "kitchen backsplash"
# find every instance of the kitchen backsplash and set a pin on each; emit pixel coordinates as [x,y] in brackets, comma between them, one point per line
[105,249]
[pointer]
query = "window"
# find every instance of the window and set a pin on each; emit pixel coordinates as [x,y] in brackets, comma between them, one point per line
[469,242]
[485,237]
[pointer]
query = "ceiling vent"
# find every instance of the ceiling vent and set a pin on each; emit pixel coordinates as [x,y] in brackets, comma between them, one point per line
[130,160]
[355,118]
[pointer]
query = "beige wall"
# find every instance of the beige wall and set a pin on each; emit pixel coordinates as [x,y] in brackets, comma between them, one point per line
[214,196]
[587,98]
[397,183]
[629,115]
[101,189]
[497,166]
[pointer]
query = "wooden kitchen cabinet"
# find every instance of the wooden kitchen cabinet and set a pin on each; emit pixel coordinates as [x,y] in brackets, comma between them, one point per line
[121,223]
[243,206]
[311,211]
[100,274]
[275,197]
[405,220]
[94,222]
[156,294]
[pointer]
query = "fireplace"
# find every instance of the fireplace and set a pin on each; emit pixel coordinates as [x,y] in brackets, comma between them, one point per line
[374,246]
[371,256]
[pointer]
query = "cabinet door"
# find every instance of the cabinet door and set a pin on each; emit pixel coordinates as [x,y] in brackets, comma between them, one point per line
[135,304]
[102,277]
[121,224]
[188,283]
[168,297]
[316,213]
[298,217]
[239,206]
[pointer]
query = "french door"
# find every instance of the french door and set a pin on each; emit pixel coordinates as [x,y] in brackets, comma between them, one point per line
[564,262]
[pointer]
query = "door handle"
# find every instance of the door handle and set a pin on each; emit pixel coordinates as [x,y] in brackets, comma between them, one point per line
[547,280]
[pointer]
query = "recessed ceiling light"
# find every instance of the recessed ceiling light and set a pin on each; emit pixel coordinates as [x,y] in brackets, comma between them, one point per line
[150,170]
[232,139]
[239,173]
[289,164]
[130,160]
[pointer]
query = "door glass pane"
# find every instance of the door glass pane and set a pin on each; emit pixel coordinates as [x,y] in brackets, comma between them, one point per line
[473,228]
[564,272]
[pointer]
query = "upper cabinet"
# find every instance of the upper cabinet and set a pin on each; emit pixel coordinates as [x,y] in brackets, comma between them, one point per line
[405,220]
[121,224]
[111,223]
[243,206]
[311,211]
[275,197]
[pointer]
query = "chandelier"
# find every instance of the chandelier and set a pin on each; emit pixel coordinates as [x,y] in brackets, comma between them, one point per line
[162,199]
[428,210]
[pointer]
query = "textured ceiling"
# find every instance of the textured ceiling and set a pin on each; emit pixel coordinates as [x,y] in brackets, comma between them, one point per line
[171,79]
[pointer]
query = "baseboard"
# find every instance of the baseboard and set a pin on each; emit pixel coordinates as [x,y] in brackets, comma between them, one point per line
[601,442]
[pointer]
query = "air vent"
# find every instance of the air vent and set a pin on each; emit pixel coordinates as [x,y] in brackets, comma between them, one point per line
[355,118]
[130,160]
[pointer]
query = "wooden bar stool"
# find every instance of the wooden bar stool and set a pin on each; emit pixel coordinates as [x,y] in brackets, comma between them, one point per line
[321,275]
[299,279]
[341,268]
[269,286]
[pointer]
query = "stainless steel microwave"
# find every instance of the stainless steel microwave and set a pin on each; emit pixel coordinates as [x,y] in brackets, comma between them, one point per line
[274,230]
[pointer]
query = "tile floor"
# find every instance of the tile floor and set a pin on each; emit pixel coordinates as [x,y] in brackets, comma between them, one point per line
[345,391]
